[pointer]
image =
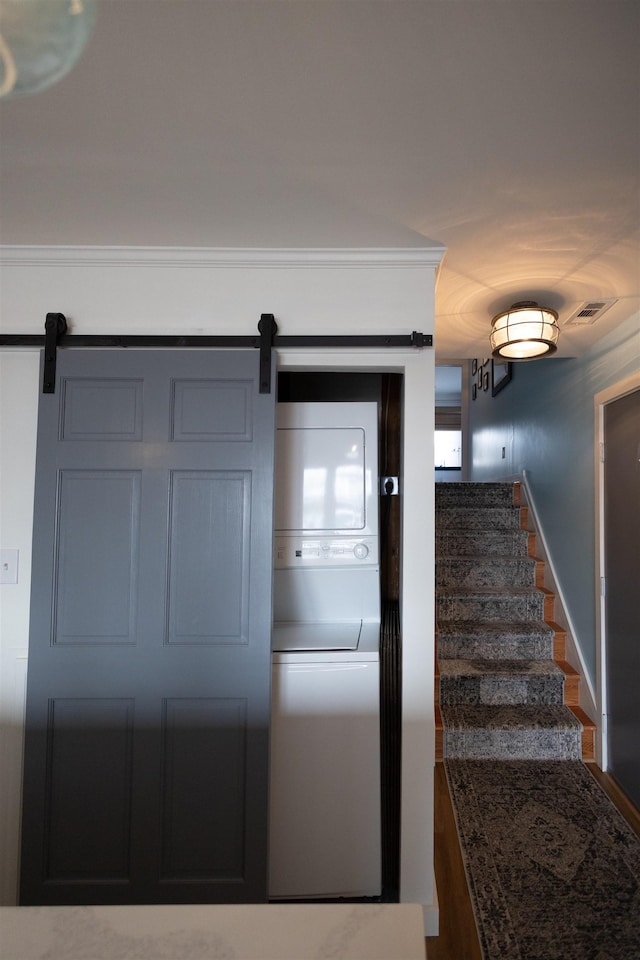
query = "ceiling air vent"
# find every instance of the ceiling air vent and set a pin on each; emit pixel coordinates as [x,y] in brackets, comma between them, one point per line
[588,313]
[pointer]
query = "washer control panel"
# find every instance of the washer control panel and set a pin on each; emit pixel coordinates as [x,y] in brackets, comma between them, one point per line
[329,551]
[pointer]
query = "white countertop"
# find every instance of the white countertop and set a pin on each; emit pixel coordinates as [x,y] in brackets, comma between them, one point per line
[214,932]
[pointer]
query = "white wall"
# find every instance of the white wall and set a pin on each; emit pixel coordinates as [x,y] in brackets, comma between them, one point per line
[224,292]
[18,412]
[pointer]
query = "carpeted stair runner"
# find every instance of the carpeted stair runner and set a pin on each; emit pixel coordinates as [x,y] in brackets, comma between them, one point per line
[501,695]
[553,868]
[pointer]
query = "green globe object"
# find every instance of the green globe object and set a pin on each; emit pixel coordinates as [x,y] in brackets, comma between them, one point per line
[40,42]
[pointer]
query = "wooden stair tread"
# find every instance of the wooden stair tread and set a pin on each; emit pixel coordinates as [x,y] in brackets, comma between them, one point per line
[588,733]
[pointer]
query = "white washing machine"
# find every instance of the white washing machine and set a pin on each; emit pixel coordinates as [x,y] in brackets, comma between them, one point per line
[325,732]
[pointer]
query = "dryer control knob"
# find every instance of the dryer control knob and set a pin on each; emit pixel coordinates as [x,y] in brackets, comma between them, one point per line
[361,551]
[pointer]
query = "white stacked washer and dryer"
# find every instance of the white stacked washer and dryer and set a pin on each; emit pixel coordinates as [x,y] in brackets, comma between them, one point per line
[325,734]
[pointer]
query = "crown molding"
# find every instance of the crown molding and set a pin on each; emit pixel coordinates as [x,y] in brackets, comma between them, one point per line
[223,258]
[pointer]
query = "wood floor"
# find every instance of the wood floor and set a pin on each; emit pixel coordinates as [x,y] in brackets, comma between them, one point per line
[458,939]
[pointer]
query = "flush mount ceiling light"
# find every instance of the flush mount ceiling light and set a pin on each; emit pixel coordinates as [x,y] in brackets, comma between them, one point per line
[525,331]
[40,41]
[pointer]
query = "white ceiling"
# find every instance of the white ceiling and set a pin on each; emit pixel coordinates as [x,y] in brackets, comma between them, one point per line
[506,130]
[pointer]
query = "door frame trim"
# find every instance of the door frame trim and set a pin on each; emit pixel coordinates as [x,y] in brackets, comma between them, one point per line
[615,392]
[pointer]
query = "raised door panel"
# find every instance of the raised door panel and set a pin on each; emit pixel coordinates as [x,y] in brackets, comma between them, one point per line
[97,556]
[204,789]
[88,791]
[209,557]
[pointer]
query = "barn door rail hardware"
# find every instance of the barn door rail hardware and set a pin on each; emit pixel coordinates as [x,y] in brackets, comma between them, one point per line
[57,335]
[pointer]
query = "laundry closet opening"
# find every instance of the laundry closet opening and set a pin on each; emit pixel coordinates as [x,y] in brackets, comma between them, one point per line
[336,695]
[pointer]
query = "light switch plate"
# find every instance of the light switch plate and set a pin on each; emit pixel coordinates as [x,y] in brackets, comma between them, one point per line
[9,566]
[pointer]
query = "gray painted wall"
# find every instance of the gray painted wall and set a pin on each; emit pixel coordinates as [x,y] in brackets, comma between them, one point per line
[543,422]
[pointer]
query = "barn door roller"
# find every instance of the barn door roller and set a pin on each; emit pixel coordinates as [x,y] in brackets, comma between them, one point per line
[268,328]
[55,326]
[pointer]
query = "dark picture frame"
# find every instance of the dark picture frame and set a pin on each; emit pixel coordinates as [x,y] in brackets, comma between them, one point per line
[501,373]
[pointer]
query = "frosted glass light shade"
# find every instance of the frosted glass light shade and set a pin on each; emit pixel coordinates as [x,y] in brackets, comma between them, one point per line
[40,41]
[524,332]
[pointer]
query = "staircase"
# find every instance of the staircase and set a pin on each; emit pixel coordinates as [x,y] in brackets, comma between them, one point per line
[503,688]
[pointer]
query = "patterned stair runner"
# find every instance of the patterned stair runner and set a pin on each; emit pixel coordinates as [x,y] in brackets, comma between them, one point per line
[501,695]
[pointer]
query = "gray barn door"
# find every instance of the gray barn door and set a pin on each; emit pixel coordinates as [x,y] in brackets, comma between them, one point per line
[622,566]
[146,754]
